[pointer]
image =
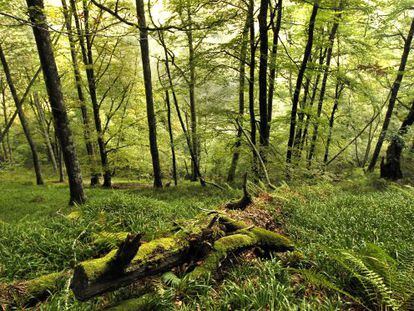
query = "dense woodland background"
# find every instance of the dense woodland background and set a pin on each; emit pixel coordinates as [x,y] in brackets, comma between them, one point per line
[299,88]
[150,112]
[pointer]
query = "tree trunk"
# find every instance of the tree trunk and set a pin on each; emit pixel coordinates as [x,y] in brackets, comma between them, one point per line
[193,109]
[391,165]
[301,118]
[309,116]
[5,143]
[252,65]
[45,132]
[90,72]
[177,108]
[272,74]
[242,81]
[296,95]
[393,98]
[78,82]
[152,123]
[53,85]
[264,53]
[338,90]
[170,132]
[23,120]
[332,36]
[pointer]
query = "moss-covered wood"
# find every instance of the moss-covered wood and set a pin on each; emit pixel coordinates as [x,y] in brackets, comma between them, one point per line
[28,293]
[209,239]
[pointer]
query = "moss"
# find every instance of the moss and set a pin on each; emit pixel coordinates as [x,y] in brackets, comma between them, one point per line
[150,251]
[272,240]
[109,239]
[75,215]
[221,248]
[143,303]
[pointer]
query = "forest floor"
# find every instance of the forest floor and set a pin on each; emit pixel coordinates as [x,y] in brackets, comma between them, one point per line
[328,222]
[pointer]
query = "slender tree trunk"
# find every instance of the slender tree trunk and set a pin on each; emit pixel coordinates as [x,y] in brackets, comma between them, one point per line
[43,127]
[60,160]
[296,95]
[78,82]
[332,36]
[177,108]
[393,98]
[338,91]
[152,123]
[264,54]
[170,132]
[309,116]
[301,118]
[53,85]
[90,72]
[272,73]
[242,82]
[5,143]
[193,108]
[252,65]
[391,165]
[23,120]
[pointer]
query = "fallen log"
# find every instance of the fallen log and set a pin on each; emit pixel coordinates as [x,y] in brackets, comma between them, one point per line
[192,244]
[29,293]
[95,277]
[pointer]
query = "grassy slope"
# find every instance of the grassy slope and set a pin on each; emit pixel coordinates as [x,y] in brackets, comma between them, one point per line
[36,238]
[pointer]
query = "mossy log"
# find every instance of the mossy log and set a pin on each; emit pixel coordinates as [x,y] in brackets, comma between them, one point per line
[94,277]
[29,293]
[210,239]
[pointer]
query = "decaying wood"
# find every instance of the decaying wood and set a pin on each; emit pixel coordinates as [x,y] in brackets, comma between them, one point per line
[244,202]
[203,245]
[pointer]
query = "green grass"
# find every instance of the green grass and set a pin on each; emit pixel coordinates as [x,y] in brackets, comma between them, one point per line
[36,238]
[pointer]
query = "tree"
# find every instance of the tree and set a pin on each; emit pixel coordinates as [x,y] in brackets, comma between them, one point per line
[146,65]
[78,82]
[302,69]
[391,165]
[53,86]
[393,98]
[22,117]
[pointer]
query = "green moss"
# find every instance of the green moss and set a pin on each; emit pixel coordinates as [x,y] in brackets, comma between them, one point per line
[49,282]
[93,268]
[156,248]
[143,303]
[272,240]
[109,238]
[75,215]
[221,248]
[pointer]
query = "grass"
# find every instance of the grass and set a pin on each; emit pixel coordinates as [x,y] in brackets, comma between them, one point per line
[36,238]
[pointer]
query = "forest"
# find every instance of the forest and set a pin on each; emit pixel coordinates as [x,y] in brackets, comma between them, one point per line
[207,155]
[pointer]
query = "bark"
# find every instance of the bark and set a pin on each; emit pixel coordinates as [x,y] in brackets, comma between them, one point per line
[338,90]
[53,85]
[391,165]
[263,64]
[22,118]
[272,72]
[252,65]
[78,82]
[242,82]
[315,133]
[393,98]
[296,95]
[171,135]
[152,123]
